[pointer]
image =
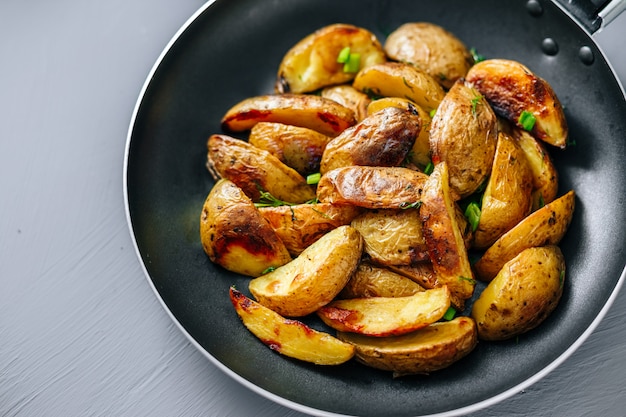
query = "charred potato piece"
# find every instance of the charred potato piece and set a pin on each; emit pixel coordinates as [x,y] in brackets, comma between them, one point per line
[511,89]
[546,226]
[312,63]
[464,134]
[374,281]
[444,240]
[432,49]
[386,316]
[290,337]
[234,234]
[312,279]
[298,147]
[426,350]
[507,197]
[301,225]
[349,97]
[420,152]
[255,170]
[545,175]
[523,294]
[392,237]
[314,112]
[394,79]
[382,139]
[372,187]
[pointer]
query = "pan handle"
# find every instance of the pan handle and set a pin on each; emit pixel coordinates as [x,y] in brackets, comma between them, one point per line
[594,15]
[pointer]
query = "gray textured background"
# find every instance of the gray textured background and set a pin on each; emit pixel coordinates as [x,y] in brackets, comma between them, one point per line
[81,333]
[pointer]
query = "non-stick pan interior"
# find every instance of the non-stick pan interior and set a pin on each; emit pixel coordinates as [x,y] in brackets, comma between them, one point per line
[230,52]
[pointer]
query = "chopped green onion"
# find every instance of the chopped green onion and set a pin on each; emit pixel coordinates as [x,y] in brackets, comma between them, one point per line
[353,64]
[429,168]
[407,205]
[313,179]
[472,212]
[527,120]
[268,200]
[475,102]
[476,56]
[562,278]
[432,113]
[344,55]
[268,270]
[449,314]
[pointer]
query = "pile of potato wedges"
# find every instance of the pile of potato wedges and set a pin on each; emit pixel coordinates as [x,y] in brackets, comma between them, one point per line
[376,185]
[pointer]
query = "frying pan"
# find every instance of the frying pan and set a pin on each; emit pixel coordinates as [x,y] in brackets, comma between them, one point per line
[230,50]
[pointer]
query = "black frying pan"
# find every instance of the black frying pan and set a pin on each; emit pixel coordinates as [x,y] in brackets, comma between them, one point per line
[229,51]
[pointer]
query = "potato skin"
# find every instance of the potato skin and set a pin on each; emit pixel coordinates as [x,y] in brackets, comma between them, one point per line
[254,169]
[382,139]
[525,291]
[312,62]
[234,234]
[512,88]
[374,281]
[507,198]
[546,226]
[431,48]
[464,133]
[349,97]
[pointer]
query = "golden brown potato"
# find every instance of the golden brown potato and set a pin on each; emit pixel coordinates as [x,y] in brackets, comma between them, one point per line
[300,225]
[374,281]
[394,79]
[525,291]
[507,197]
[422,273]
[444,239]
[372,187]
[312,63]
[386,316]
[546,226]
[312,279]
[290,337]
[426,350]
[464,133]
[298,147]
[420,152]
[392,237]
[235,236]
[511,89]
[545,175]
[255,170]
[430,48]
[382,139]
[314,112]
[349,97]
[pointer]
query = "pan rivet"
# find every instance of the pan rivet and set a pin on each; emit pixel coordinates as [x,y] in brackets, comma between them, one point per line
[534,8]
[585,54]
[549,46]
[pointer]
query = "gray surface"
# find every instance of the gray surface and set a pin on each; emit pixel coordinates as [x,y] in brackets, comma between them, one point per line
[81,333]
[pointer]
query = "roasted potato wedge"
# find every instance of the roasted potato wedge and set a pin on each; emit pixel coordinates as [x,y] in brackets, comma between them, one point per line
[420,153]
[525,291]
[372,187]
[395,79]
[255,170]
[290,337]
[374,281]
[314,112]
[507,198]
[464,133]
[422,273]
[392,237]
[545,175]
[297,147]
[511,88]
[312,63]
[426,350]
[386,316]
[382,139]
[349,97]
[444,240]
[546,226]
[430,48]
[301,225]
[312,279]
[235,235]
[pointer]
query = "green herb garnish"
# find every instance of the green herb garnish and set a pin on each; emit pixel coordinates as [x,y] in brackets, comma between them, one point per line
[353,64]
[407,205]
[527,120]
[268,270]
[471,280]
[344,55]
[313,179]
[472,212]
[449,314]
[476,56]
[268,200]
[429,168]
